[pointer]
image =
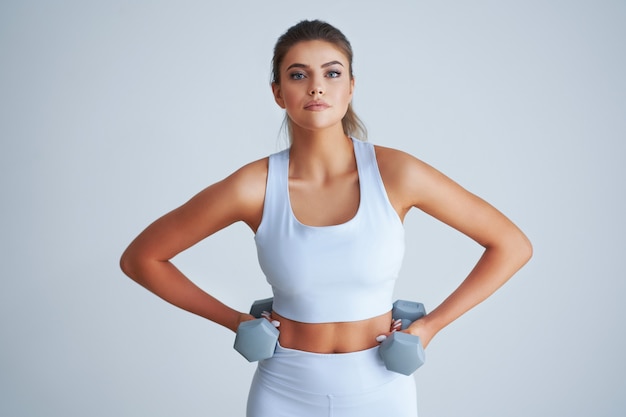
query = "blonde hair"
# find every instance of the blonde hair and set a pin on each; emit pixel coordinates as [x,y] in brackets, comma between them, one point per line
[314,30]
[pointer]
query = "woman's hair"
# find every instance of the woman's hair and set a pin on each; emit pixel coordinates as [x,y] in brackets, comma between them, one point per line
[316,30]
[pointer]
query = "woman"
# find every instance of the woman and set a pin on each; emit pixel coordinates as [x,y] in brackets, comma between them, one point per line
[327,215]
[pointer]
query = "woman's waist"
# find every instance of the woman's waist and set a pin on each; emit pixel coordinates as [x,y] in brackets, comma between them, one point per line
[333,337]
[317,374]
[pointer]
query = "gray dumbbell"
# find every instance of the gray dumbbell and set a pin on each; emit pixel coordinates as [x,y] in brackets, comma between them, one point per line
[256,339]
[403,352]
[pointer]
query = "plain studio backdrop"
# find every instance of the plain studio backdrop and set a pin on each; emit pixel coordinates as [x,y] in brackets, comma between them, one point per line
[114,112]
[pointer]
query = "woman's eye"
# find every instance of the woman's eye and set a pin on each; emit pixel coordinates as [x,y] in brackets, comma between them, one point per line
[333,74]
[297,76]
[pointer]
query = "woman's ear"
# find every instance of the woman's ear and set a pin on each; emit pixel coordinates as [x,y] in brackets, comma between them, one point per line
[278,95]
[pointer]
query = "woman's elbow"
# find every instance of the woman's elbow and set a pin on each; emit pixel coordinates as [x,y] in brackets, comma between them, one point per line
[128,264]
[523,249]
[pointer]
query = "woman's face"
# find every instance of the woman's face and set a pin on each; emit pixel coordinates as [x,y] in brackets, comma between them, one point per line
[315,85]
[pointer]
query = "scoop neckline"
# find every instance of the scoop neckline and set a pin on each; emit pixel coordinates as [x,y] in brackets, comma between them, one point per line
[328,226]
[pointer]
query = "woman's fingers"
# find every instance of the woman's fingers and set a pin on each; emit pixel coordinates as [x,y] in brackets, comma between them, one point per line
[396,325]
[267,315]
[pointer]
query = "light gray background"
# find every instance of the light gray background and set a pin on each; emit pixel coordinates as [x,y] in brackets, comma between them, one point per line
[115,112]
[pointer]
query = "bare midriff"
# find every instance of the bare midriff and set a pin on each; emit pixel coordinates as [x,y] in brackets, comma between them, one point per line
[335,337]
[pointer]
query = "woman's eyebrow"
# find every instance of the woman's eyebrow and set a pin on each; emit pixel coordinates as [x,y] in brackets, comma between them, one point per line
[328,64]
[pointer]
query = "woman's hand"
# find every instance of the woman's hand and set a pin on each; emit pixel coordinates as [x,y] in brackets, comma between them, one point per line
[244,317]
[418,328]
[265,314]
[268,316]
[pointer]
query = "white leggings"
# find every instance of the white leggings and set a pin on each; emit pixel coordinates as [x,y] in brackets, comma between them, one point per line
[295,383]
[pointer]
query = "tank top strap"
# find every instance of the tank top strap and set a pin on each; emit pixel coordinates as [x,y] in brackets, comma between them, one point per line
[374,198]
[276,204]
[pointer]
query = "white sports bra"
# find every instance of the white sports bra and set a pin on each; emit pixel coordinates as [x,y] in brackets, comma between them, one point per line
[337,273]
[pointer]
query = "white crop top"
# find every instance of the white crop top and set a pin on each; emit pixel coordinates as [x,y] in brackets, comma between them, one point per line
[337,273]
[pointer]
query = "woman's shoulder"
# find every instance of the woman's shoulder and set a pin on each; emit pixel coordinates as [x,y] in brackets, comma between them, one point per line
[250,179]
[253,168]
[406,177]
[239,196]
[387,152]
[395,162]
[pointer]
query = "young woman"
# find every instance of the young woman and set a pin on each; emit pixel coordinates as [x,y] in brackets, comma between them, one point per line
[327,215]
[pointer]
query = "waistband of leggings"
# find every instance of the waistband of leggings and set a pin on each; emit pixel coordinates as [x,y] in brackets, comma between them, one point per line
[324,373]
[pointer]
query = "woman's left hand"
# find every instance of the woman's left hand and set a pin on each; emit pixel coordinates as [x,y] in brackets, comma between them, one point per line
[420,328]
[417,328]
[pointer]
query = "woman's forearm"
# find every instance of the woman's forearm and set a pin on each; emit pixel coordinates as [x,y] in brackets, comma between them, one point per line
[166,281]
[495,267]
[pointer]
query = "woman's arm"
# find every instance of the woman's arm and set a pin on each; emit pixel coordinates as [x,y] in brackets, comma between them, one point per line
[412,183]
[239,197]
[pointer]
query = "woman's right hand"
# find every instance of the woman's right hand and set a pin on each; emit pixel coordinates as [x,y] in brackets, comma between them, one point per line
[268,316]
[244,317]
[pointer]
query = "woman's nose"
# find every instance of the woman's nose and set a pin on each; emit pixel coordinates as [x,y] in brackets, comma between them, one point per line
[317,90]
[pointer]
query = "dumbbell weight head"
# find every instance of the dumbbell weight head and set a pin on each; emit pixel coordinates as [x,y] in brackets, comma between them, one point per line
[402,353]
[256,339]
[407,311]
[259,306]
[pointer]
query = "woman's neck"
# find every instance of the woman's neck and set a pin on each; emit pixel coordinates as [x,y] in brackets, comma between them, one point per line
[319,155]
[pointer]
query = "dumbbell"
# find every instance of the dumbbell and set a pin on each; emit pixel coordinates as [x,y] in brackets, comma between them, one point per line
[403,352]
[256,339]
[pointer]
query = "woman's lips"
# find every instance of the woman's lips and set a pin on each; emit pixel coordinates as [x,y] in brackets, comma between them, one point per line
[316,105]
